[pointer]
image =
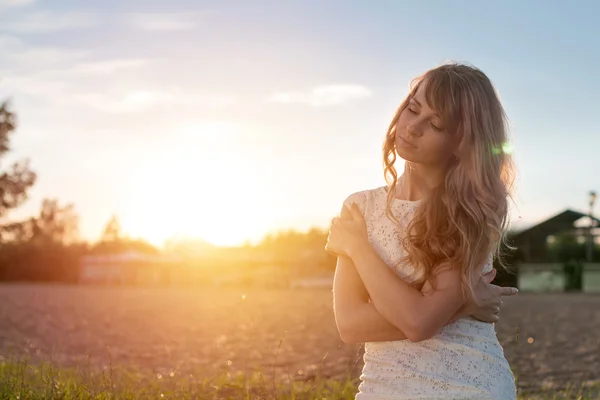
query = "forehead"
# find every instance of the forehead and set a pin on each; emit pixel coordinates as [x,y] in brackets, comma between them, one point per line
[420,95]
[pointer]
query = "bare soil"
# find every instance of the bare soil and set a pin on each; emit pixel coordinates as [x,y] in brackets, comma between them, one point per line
[282,333]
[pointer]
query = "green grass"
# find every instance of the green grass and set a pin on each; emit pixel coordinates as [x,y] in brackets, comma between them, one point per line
[21,380]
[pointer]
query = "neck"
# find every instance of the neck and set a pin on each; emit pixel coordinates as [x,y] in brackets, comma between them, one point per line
[417,180]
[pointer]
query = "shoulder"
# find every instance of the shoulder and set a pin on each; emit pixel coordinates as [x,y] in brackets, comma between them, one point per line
[364,197]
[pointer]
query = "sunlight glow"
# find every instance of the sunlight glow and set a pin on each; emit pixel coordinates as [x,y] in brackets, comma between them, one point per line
[190,189]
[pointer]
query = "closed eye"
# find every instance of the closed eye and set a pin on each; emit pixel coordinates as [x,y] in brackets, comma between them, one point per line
[436,128]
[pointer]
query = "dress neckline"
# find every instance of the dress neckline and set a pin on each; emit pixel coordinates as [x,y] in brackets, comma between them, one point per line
[400,201]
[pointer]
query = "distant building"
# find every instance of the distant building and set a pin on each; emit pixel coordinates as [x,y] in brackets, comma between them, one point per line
[533,268]
[129,267]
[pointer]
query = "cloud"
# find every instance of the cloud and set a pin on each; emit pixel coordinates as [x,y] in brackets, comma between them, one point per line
[47,57]
[43,21]
[164,21]
[78,80]
[56,74]
[14,3]
[34,86]
[41,60]
[143,100]
[28,69]
[321,96]
[129,102]
[107,67]
[10,43]
[21,57]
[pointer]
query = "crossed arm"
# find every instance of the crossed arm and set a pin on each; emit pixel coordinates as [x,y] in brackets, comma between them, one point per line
[371,303]
[357,317]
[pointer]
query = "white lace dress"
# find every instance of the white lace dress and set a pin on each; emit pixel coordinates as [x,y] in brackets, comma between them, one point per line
[463,361]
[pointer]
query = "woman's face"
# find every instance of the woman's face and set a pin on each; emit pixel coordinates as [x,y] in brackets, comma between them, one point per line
[421,136]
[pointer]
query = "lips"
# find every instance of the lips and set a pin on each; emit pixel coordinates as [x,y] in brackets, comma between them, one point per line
[406,142]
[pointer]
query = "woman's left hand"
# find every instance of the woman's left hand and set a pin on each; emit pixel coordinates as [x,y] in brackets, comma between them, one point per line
[347,232]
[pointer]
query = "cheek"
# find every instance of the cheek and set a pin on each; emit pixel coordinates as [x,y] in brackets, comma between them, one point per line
[401,124]
[438,147]
[402,120]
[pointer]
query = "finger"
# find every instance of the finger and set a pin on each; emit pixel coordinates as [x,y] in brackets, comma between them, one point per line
[334,221]
[489,276]
[356,214]
[331,248]
[346,214]
[487,317]
[508,291]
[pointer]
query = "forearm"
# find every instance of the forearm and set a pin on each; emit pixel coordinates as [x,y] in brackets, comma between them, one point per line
[357,319]
[365,324]
[387,291]
[395,300]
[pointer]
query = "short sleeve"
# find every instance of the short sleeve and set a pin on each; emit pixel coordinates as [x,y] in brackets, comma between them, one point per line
[489,264]
[360,199]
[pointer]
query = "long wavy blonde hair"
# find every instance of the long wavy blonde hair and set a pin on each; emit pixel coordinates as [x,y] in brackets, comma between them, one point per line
[464,219]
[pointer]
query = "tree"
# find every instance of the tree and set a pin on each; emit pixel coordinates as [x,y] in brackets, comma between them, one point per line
[18,179]
[113,241]
[112,231]
[43,247]
[56,224]
[307,248]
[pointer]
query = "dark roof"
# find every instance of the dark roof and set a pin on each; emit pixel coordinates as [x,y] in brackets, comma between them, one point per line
[560,222]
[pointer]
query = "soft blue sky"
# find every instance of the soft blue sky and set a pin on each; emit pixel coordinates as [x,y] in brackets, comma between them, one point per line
[226,119]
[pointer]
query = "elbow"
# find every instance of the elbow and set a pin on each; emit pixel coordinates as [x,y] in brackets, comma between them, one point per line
[416,329]
[415,334]
[349,337]
[418,335]
[347,333]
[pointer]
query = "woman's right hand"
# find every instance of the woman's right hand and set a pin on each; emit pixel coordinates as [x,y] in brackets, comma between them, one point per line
[486,301]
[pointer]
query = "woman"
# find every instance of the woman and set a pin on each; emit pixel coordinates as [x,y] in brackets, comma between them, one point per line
[413,255]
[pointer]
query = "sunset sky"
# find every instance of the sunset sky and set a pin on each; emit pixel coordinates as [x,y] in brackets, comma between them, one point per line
[224,120]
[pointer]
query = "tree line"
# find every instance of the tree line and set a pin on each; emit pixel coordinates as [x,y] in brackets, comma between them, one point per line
[47,246]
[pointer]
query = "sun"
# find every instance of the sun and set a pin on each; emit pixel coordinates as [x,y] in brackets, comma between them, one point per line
[188,190]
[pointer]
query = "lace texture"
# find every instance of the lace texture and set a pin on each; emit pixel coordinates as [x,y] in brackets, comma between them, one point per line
[463,361]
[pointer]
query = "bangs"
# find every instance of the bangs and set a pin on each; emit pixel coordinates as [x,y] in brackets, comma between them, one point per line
[442,93]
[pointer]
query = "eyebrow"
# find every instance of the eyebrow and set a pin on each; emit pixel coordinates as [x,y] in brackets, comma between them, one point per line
[416,101]
[420,106]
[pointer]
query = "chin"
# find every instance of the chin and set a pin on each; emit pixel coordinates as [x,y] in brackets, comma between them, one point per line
[408,155]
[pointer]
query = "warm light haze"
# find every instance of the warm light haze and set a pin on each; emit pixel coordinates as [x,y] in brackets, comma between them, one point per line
[223,121]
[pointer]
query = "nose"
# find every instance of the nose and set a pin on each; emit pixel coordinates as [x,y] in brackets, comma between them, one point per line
[413,129]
